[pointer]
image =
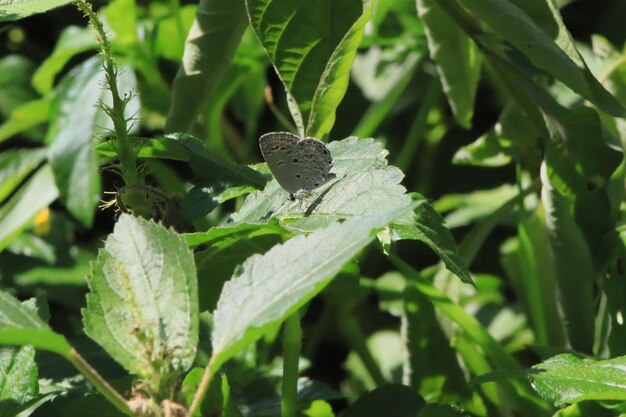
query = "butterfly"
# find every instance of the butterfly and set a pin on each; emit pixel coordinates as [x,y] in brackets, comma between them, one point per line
[299,165]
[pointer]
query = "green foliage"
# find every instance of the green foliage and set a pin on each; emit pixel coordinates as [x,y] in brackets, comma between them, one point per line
[135,209]
[143,304]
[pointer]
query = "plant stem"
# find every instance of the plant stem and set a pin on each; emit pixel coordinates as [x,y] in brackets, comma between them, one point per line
[202,388]
[351,332]
[126,155]
[292,340]
[98,382]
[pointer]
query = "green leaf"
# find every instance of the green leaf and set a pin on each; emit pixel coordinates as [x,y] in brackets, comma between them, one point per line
[17,9]
[268,288]
[427,226]
[209,48]
[465,209]
[143,304]
[38,193]
[566,379]
[160,148]
[121,17]
[512,137]
[529,264]
[15,89]
[76,118]
[365,184]
[227,251]
[389,400]
[472,330]
[72,41]
[319,408]
[15,165]
[171,31]
[334,80]
[18,378]
[21,326]
[572,263]
[63,282]
[25,116]
[224,236]
[211,167]
[551,50]
[456,58]
[387,349]
[312,45]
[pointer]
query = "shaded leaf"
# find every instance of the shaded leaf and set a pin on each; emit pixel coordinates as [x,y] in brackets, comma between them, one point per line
[551,50]
[20,325]
[456,58]
[211,167]
[427,226]
[209,48]
[389,400]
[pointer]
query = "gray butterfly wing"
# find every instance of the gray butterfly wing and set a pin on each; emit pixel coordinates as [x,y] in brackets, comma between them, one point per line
[299,165]
[314,162]
[278,149]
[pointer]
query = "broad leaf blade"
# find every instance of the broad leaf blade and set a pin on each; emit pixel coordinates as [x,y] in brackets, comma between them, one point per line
[143,305]
[300,38]
[211,167]
[209,48]
[428,227]
[20,325]
[456,58]
[334,81]
[365,184]
[269,287]
[565,379]
[17,9]
[18,378]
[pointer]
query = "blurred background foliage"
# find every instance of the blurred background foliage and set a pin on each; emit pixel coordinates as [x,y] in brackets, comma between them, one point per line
[470,158]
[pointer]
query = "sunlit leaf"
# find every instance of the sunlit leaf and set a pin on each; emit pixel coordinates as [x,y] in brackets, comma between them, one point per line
[143,305]
[17,9]
[565,379]
[269,287]
[21,326]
